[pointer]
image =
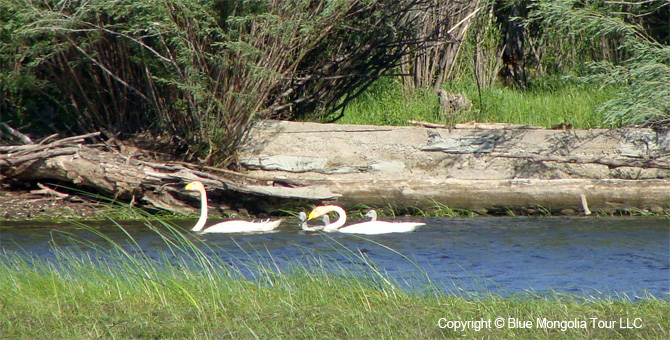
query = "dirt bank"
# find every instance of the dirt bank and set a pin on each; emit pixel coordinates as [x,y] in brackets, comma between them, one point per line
[489,168]
[21,204]
[474,167]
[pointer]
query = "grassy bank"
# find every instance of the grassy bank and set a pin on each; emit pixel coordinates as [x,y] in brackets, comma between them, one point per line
[100,303]
[553,102]
[122,293]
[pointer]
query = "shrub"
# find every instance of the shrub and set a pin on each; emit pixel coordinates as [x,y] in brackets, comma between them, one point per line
[198,71]
[644,74]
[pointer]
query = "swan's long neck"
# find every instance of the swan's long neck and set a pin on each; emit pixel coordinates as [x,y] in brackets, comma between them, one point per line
[203,211]
[341,219]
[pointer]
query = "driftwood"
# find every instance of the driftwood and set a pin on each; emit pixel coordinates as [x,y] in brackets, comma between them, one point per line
[475,125]
[473,169]
[100,168]
[652,156]
[514,195]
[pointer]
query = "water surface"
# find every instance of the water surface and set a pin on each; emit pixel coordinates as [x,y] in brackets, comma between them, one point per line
[614,257]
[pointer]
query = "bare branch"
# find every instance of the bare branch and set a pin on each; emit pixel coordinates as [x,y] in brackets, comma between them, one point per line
[15,133]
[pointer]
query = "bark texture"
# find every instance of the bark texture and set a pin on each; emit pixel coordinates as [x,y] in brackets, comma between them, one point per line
[487,167]
[102,169]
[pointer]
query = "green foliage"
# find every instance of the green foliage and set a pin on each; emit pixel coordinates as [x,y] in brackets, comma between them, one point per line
[387,102]
[202,72]
[643,76]
[550,95]
[554,101]
[199,71]
[546,105]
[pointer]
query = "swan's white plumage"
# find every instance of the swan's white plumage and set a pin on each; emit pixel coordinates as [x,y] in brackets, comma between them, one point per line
[233,226]
[241,226]
[304,226]
[372,227]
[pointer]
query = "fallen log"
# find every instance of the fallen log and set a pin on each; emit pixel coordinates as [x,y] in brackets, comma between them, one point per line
[501,195]
[604,170]
[610,162]
[105,171]
[489,143]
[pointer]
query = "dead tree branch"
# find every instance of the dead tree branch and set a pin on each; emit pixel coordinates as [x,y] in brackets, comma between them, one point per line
[159,185]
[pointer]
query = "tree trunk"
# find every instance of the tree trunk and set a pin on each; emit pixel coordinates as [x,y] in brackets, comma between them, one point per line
[508,14]
[103,170]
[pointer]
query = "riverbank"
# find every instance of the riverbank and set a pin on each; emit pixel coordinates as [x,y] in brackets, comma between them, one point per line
[300,305]
[430,170]
[486,168]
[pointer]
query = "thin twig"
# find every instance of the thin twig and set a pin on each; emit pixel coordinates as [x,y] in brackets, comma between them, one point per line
[44,190]
[16,134]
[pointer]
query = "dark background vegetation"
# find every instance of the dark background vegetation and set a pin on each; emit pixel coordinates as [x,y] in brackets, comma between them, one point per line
[191,76]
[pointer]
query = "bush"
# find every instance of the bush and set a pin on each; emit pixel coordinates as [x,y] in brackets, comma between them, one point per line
[198,71]
[644,74]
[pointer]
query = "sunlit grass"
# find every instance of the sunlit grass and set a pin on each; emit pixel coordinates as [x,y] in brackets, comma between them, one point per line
[387,103]
[111,290]
[554,102]
[544,106]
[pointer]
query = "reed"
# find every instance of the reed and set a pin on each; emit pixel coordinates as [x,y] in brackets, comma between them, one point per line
[114,290]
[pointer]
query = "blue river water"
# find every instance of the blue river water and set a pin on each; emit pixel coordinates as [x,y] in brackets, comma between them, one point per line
[626,258]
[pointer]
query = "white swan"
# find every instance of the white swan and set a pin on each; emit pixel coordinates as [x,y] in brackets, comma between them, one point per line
[373,227]
[232,226]
[304,226]
[398,227]
[372,214]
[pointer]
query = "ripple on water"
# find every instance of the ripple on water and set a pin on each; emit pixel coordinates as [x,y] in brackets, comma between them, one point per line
[619,256]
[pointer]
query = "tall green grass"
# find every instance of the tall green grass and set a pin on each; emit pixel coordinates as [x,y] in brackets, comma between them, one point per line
[117,291]
[546,104]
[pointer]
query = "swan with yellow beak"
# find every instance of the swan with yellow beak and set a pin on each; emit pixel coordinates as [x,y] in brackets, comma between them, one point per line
[373,227]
